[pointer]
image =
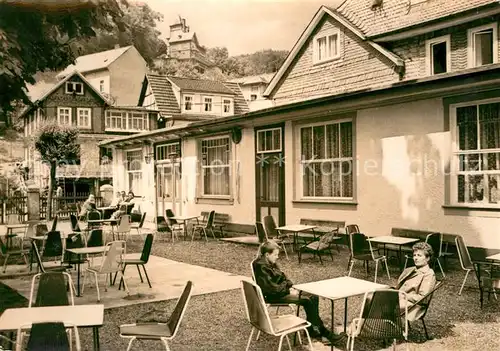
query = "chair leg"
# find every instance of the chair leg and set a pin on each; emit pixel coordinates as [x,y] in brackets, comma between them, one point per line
[130,344]
[308,339]
[320,259]
[376,271]
[97,286]
[288,342]
[124,282]
[463,283]
[440,267]
[425,329]
[146,274]
[165,342]
[250,339]
[138,270]
[280,343]
[5,262]
[387,268]
[406,263]
[351,262]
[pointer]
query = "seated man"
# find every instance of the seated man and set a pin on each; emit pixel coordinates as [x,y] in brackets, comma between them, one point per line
[121,208]
[87,206]
[417,281]
[276,286]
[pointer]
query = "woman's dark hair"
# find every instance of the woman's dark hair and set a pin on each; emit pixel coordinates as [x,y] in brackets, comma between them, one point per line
[131,193]
[425,248]
[268,247]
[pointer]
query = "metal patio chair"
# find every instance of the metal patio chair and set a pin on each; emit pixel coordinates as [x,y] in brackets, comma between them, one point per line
[273,233]
[142,261]
[159,331]
[361,250]
[258,316]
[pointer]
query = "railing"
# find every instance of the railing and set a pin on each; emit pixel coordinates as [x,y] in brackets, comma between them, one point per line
[66,205]
[14,205]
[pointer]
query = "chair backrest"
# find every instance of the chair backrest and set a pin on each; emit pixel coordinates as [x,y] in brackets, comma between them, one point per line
[73,241]
[129,208]
[252,270]
[359,244]
[210,219]
[37,256]
[124,224]
[95,238]
[48,336]
[261,232]
[381,316]
[270,227]
[113,256]
[51,290]
[74,223]
[53,245]
[162,225]
[435,240]
[169,213]
[463,253]
[146,249]
[352,228]
[425,301]
[255,307]
[180,308]
[93,215]
[54,224]
[13,219]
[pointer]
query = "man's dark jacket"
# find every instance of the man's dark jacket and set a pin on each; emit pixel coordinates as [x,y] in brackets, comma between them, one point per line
[272,281]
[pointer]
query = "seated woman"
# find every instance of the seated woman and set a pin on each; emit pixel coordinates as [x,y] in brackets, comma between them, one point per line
[417,281]
[276,286]
[122,209]
[87,206]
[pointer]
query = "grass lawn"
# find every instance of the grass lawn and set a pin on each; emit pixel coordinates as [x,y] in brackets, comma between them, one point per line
[217,321]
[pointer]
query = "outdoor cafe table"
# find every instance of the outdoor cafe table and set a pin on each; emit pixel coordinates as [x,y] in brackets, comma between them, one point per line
[337,289]
[84,251]
[107,211]
[81,316]
[11,232]
[185,220]
[296,229]
[109,221]
[393,240]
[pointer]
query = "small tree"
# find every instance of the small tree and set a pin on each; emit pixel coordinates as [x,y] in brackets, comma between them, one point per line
[57,145]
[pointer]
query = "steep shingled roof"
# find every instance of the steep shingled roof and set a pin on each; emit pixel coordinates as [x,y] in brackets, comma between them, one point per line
[93,62]
[397,14]
[240,104]
[164,96]
[201,85]
[260,78]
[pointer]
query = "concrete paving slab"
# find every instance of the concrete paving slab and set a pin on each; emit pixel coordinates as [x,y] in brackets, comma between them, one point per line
[168,279]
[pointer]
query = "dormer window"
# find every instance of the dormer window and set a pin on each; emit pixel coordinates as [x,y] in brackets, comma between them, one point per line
[208,104]
[438,55]
[483,45]
[74,88]
[326,46]
[101,86]
[227,106]
[188,102]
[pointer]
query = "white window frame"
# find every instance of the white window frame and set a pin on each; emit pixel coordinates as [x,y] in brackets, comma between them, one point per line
[124,118]
[89,124]
[262,133]
[59,109]
[73,84]
[455,163]
[101,86]
[470,43]
[191,102]
[302,163]
[211,104]
[325,34]
[129,172]
[226,102]
[428,53]
[204,167]
[162,151]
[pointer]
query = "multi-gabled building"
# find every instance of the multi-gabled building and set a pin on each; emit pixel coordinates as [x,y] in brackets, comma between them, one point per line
[253,88]
[387,115]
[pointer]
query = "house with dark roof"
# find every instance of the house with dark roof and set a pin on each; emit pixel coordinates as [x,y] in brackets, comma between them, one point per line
[253,88]
[75,101]
[183,100]
[387,115]
[115,73]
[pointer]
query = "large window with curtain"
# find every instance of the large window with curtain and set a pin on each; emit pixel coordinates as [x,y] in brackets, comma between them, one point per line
[134,171]
[215,166]
[476,153]
[326,160]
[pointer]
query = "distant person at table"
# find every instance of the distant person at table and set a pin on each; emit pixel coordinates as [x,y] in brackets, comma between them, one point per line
[88,206]
[123,206]
[120,196]
[417,281]
[276,288]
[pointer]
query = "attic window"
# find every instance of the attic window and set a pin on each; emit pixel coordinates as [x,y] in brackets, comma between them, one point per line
[74,88]
[326,46]
[438,55]
[483,45]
